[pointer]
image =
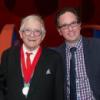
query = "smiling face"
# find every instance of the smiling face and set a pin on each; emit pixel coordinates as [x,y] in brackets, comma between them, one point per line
[69,27]
[32,34]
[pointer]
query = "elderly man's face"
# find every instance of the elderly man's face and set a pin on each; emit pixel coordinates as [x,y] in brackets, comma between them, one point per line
[69,27]
[31,34]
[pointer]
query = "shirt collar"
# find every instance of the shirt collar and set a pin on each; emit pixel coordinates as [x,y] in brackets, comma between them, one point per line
[33,51]
[78,44]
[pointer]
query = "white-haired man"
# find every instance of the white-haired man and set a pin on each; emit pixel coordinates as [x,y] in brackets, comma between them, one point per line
[30,71]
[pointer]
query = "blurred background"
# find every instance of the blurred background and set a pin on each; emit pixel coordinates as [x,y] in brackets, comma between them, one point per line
[12,11]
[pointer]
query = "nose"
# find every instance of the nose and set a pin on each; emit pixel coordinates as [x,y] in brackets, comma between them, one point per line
[32,34]
[70,28]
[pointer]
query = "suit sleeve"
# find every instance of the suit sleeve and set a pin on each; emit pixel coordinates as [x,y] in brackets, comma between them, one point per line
[59,80]
[3,76]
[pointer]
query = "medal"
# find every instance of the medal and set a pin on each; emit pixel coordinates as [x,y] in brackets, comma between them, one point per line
[27,73]
[25,89]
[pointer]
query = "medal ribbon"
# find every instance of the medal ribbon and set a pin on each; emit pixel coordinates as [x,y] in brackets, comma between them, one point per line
[28,72]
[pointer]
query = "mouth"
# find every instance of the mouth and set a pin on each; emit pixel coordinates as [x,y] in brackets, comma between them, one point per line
[71,34]
[31,40]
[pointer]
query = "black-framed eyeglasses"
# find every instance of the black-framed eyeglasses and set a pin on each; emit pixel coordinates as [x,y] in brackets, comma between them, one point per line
[34,32]
[73,25]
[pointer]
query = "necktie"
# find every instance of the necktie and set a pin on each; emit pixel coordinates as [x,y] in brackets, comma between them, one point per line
[72,75]
[28,61]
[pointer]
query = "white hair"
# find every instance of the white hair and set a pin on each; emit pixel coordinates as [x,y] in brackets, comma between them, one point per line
[32,18]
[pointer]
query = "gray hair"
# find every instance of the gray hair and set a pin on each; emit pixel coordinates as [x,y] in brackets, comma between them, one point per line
[32,18]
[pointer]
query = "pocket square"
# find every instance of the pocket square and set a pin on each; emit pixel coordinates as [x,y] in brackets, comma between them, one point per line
[48,72]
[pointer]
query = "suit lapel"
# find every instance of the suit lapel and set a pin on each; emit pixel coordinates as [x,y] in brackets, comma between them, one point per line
[18,70]
[62,51]
[37,77]
[88,61]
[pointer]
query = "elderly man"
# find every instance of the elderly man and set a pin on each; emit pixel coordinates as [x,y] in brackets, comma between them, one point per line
[29,71]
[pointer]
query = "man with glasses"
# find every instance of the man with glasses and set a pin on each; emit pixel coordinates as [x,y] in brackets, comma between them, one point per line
[29,71]
[84,84]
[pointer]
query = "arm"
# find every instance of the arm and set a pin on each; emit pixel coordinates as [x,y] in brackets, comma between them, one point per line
[3,75]
[59,80]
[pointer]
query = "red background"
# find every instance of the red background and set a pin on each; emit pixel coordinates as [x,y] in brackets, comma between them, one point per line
[11,12]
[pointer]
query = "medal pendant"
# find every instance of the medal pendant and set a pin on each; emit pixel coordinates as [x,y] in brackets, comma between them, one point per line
[25,89]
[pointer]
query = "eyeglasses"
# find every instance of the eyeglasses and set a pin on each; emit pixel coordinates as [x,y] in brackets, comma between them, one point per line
[34,32]
[73,25]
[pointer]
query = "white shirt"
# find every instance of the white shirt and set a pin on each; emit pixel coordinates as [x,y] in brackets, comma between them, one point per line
[32,55]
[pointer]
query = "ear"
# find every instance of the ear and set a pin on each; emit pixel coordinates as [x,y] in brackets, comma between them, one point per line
[43,36]
[80,26]
[20,33]
[60,33]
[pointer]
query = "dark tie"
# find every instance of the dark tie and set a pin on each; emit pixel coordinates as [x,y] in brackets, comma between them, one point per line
[72,75]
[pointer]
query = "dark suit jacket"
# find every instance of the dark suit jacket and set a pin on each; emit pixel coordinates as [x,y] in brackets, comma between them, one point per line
[43,86]
[91,49]
[1,93]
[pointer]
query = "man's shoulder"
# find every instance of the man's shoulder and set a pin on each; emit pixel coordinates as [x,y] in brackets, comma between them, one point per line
[92,44]
[12,49]
[60,48]
[50,51]
[92,40]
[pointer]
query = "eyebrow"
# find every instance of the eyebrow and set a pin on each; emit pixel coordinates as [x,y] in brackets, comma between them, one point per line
[67,23]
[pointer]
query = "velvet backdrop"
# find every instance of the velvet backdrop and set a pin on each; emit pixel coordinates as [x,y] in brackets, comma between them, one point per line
[11,12]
